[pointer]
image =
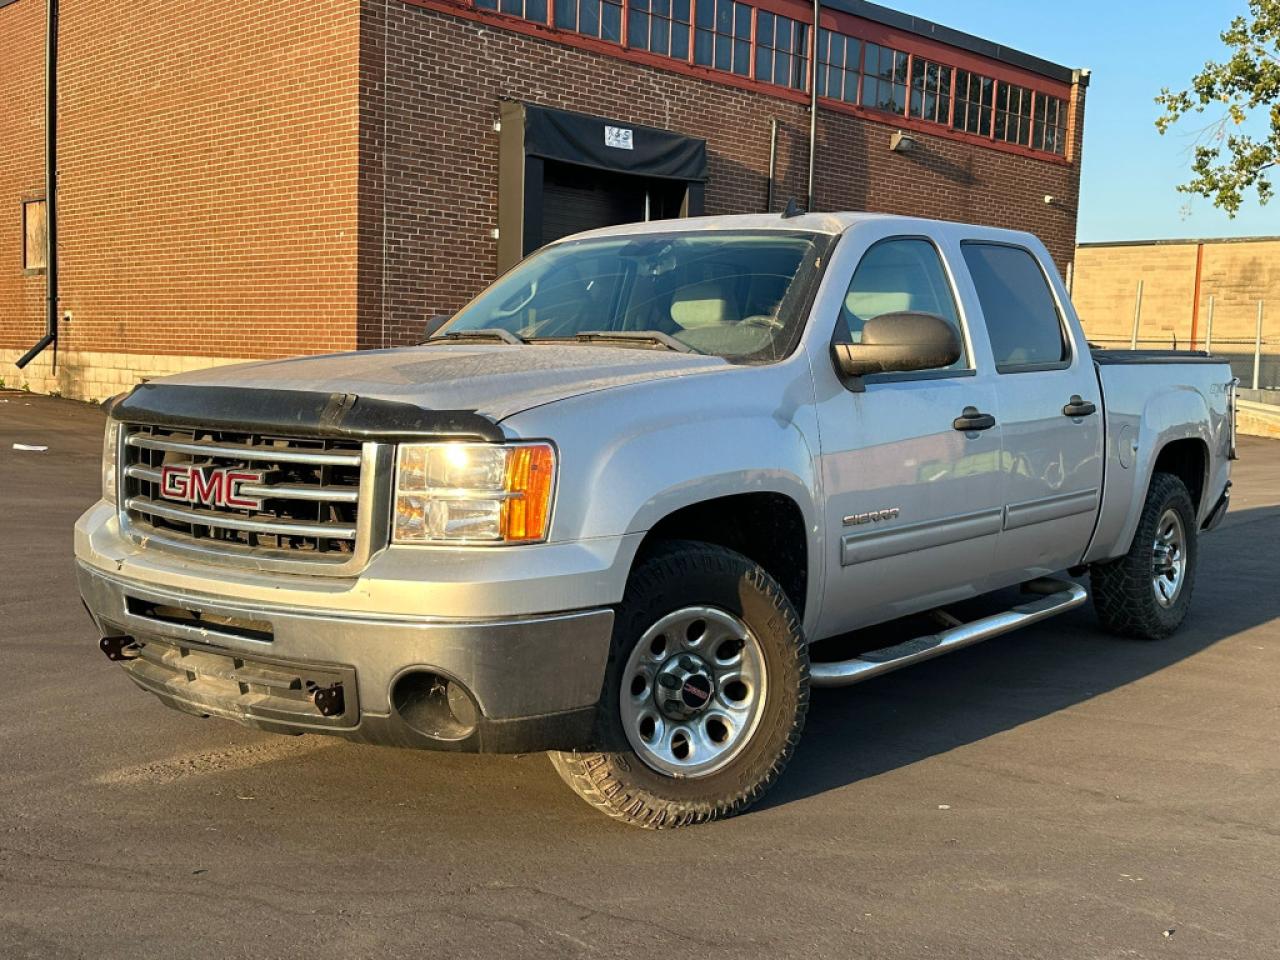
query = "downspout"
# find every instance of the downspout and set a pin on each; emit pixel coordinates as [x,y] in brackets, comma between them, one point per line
[813,99]
[773,163]
[50,338]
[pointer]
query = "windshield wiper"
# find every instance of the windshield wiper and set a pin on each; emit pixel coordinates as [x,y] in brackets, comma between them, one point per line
[483,335]
[651,338]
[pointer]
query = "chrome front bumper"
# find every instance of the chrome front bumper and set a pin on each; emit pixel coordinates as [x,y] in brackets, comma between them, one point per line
[510,684]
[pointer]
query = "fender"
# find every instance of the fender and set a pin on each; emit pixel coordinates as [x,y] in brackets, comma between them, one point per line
[631,456]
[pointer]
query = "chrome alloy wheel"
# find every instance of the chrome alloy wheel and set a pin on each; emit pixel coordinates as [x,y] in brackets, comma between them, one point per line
[693,692]
[1169,560]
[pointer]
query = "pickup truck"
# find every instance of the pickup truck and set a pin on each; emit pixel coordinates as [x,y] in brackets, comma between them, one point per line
[610,506]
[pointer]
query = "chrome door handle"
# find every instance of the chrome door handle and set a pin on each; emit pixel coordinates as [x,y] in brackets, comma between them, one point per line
[970,419]
[1077,407]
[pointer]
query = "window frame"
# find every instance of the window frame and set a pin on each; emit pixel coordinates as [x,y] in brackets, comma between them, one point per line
[1064,329]
[672,21]
[943,70]
[839,332]
[798,50]
[716,33]
[844,70]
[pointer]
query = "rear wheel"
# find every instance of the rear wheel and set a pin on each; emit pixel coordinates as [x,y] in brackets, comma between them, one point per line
[1146,593]
[705,695]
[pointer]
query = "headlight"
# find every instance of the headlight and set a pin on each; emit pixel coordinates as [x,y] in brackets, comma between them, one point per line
[473,492]
[110,453]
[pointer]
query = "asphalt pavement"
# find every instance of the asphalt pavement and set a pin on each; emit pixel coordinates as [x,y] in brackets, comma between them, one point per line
[1053,793]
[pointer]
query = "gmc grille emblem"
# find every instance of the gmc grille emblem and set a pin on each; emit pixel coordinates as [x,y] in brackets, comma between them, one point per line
[209,486]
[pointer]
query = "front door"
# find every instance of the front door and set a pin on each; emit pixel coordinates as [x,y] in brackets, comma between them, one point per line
[910,465]
[1050,409]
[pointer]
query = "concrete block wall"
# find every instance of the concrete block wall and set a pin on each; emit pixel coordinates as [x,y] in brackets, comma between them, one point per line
[1236,274]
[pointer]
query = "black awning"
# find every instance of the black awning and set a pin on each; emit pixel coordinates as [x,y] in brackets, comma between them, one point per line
[612,145]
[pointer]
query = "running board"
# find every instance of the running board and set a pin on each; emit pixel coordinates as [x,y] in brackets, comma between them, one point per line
[873,663]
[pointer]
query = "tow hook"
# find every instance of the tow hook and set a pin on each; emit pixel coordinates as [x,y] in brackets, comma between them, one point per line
[328,700]
[119,648]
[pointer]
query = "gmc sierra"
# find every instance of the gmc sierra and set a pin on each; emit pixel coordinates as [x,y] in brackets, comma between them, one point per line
[606,508]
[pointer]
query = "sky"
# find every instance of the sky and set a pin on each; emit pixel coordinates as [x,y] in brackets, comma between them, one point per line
[1133,47]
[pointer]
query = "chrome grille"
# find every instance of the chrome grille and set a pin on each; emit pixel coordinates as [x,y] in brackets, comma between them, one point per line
[313,506]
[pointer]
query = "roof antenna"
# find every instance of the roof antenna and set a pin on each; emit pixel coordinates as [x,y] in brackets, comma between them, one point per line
[793,209]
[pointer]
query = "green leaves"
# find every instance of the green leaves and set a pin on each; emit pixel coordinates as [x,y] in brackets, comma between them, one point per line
[1226,164]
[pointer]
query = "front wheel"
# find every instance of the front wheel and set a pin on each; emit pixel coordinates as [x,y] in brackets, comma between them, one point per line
[1146,593]
[705,693]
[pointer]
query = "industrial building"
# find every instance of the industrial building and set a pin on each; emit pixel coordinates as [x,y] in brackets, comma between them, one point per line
[241,179]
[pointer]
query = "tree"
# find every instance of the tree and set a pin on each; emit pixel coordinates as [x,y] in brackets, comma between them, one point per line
[1228,162]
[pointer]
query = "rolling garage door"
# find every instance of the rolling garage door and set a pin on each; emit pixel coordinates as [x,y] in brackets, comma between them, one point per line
[577,198]
[561,173]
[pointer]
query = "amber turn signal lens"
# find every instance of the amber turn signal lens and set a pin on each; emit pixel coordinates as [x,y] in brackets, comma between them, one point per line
[530,475]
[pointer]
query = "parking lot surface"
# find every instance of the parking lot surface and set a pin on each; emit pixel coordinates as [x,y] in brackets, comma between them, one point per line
[1052,793]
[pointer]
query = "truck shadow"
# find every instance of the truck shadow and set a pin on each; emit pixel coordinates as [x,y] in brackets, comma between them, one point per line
[892,721]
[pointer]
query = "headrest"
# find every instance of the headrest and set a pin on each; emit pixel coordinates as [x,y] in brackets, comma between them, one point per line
[871,303]
[702,305]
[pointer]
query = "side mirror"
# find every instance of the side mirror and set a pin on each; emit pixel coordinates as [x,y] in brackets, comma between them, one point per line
[433,325]
[899,343]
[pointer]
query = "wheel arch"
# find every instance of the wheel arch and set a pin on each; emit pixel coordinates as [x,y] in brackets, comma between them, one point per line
[768,527]
[1188,460]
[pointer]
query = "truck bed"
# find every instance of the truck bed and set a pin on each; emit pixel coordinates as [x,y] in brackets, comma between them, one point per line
[1116,357]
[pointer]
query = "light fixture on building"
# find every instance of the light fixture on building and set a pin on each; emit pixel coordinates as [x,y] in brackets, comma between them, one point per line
[901,142]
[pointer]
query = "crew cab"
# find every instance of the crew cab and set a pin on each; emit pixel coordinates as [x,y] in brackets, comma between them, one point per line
[610,506]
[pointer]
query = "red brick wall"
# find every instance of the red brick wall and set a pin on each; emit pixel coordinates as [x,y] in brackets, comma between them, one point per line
[208,162]
[429,196]
[21,166]
[249,179]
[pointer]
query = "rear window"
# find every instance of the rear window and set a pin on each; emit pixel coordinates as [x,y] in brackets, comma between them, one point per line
[1018,306]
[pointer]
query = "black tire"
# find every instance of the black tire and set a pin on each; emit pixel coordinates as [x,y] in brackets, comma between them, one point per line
[613,777]
[1122,589]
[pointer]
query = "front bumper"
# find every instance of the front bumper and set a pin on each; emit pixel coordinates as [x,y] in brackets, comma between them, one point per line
[511,684]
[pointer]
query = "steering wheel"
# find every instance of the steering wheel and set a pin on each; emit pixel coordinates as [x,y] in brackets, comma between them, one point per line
[504,312]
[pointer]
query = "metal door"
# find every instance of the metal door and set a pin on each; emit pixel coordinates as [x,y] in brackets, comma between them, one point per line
[1049,405]
[911,464]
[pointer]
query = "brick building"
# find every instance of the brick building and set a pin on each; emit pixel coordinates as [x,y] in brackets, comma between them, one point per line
[252,180]
[1185,294]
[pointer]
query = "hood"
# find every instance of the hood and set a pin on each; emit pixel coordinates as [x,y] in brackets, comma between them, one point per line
[494,380]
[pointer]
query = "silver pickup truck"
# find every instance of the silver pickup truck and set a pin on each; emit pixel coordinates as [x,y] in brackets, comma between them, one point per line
[608,509]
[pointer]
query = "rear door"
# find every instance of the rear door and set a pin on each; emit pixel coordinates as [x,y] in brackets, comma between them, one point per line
[1049,408]
[913,500]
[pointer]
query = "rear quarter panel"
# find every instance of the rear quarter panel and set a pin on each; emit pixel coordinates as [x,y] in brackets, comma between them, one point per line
[1147,407]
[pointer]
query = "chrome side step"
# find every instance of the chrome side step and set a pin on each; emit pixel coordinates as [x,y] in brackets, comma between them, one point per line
[873,663]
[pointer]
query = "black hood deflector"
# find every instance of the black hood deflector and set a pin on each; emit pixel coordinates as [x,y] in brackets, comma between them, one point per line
[297,413]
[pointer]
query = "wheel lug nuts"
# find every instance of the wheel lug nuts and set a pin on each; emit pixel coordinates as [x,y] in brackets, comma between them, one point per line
[689,663]
[669,681]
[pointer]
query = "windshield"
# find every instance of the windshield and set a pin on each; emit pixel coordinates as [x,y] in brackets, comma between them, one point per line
[738,294]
